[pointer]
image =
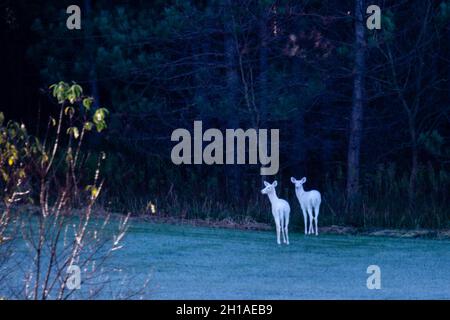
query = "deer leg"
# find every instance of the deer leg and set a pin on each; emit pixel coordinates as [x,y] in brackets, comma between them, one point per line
[306,220]
[316,217]
[277,225]
[280,214]
[282,229]
[311,227]
[286,232]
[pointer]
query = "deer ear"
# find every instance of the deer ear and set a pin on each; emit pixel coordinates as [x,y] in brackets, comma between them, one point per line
[303,180]
[266,183]
[275,183]
[293,180]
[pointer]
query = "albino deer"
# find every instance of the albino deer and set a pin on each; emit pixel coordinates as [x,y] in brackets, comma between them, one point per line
[310,204]
[280,211]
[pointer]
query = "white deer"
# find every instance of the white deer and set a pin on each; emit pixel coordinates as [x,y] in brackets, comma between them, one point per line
[280,211]
[310,204]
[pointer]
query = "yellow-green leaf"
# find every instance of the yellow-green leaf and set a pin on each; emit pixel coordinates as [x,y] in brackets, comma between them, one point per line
[87,103]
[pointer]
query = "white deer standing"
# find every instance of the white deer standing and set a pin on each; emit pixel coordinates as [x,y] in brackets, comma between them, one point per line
[280,211]
[310,204]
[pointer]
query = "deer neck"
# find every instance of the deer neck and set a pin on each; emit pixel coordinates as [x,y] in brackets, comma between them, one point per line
[273,197]
[300,191]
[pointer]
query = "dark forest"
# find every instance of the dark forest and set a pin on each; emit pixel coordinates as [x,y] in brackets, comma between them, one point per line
[363,114]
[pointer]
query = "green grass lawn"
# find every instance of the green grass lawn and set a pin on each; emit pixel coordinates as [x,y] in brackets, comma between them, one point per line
[187,262]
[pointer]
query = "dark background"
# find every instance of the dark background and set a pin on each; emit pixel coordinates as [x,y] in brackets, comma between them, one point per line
[363,114]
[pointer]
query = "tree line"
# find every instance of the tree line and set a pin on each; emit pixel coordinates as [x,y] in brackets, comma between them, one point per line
[364,114]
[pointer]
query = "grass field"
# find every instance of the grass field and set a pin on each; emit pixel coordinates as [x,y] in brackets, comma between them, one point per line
[186,262]
[205,263]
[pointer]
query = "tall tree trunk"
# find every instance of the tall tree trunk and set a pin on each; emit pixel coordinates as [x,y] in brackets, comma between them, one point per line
[263,65]
[299,124]
[200,63]
[233,172]
[262,79]
[90,47]
[414,163]
[356,120]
